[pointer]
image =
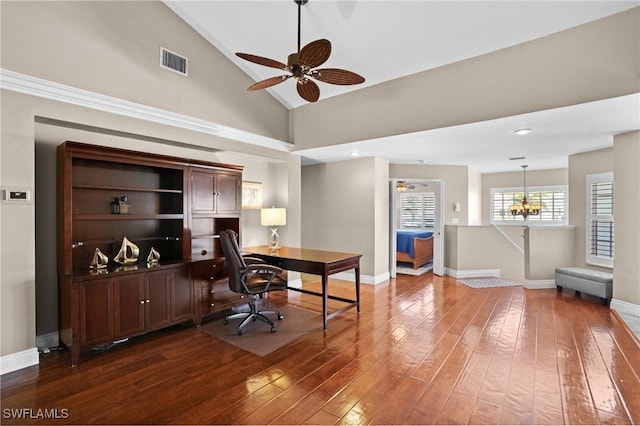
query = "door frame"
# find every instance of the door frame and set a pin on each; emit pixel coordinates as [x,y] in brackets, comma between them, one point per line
[438,246]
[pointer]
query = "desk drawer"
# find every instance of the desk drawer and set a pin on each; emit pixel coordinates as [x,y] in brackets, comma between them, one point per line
[217,296]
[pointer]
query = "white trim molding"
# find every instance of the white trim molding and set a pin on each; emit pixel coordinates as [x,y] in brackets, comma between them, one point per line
[473,273]
[22,83]
[629,312]
[539,284]
[364,279]
[19,360]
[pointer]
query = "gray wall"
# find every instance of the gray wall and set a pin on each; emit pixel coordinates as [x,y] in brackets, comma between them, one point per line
[626,177]
[598,60]
[346,208]
[111,48]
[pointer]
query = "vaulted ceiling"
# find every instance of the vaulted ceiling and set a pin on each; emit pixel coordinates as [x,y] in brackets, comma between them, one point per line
[386,40]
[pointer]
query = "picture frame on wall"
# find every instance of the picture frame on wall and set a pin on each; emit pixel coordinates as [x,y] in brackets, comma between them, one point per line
[251,195]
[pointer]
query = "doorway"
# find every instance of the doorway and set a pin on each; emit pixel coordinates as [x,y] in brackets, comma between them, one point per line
[431,219]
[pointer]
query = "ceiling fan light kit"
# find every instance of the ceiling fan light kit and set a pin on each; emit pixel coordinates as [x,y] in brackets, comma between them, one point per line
[300,66]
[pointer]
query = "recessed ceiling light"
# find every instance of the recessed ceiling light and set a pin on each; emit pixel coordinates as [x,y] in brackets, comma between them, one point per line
[354,153]
[523,132]
[422,161]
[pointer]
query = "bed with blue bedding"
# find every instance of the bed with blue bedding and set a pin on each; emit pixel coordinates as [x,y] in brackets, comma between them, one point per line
[414,246]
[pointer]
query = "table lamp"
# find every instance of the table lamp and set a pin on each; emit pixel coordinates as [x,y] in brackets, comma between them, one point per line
[273,217]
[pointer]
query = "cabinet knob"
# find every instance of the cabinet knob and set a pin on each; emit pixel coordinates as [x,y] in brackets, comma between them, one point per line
[142,302]
[213,291]
[147,301]
[213,304]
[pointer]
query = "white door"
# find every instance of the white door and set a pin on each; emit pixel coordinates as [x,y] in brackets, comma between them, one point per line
[438,236]
[392,227]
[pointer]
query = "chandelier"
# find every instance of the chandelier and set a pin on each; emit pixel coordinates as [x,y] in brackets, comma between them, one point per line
[525,209]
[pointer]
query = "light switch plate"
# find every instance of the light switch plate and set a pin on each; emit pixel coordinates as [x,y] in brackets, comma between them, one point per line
[16,195]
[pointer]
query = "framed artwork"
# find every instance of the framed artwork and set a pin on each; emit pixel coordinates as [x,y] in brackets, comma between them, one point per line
[251,195]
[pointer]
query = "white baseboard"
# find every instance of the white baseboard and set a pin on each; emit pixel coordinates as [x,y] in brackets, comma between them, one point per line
[19,360]
[295,283]
[629,312]
[471,273]
[49,340]
[364,279]
[539,284]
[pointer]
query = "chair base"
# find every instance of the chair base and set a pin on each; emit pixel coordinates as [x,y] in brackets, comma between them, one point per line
[253,315]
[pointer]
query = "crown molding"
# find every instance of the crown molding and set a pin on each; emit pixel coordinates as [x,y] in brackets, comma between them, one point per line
[34,86]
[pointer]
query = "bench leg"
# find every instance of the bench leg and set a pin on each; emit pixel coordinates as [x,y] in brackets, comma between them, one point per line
[604,301]
[559,288]
[578,294]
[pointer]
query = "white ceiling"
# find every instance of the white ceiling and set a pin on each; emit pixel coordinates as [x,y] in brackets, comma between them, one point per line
[384,40]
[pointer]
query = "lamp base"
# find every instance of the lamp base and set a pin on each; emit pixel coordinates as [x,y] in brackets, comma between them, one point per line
[274,239]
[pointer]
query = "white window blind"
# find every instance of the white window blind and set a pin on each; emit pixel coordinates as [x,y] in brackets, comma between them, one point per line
[418,210]
[600,224]
[552,199]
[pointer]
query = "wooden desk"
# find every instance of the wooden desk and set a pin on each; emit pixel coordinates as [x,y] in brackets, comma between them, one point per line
[317,262]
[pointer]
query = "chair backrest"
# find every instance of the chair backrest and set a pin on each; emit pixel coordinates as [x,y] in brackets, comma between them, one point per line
[233,259]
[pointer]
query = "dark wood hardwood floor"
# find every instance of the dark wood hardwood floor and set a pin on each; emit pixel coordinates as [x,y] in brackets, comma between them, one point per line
[424,350]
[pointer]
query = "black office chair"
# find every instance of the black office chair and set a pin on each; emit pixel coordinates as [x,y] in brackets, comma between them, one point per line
[250,276]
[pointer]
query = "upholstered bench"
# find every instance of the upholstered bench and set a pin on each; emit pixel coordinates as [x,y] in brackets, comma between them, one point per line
[590,281]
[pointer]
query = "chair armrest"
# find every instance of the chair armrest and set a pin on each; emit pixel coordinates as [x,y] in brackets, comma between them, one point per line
[261,267]
[251,260]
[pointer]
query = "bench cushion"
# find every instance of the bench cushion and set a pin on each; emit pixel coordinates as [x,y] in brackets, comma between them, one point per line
[590,281]
[589,274]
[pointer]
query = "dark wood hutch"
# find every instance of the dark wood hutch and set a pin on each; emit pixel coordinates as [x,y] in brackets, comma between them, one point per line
[175,205]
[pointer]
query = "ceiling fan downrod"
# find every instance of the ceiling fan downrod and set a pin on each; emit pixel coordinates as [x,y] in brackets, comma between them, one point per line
[300,3]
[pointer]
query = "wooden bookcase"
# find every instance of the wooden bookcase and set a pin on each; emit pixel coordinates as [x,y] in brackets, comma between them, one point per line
[177,206]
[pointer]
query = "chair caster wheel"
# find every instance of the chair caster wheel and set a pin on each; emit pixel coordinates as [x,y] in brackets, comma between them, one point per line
[280,316]
[273,329]
[239,332]
[225,322]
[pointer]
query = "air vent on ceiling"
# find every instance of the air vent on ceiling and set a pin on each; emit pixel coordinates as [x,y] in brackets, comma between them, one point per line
[173,61]
[516,158]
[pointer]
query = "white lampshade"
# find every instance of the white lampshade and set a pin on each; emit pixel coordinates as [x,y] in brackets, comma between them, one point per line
[273,217]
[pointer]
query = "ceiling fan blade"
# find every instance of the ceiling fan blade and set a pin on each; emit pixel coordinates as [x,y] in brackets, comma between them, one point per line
[337,76]
[268,82]
[315,53]
[308,90]
[262,61]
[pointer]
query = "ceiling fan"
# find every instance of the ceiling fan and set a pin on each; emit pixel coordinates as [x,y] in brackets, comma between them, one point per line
[403,185]
[300,66]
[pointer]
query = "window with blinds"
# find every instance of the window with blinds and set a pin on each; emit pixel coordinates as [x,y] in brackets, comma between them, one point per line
[553,200]
[417,210]
[600,224]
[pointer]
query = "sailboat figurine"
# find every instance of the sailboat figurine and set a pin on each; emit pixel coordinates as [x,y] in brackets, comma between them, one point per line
[99,260]
[153,258]
[128,253]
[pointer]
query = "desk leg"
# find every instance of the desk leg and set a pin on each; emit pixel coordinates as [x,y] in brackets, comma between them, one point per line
[325,294]
[358,288]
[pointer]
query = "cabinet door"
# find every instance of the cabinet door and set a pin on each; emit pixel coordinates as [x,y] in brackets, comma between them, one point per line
[96,318]
[202,192]
[129,304]
[181,295]
[157,302]
[215,192]
[228,190]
